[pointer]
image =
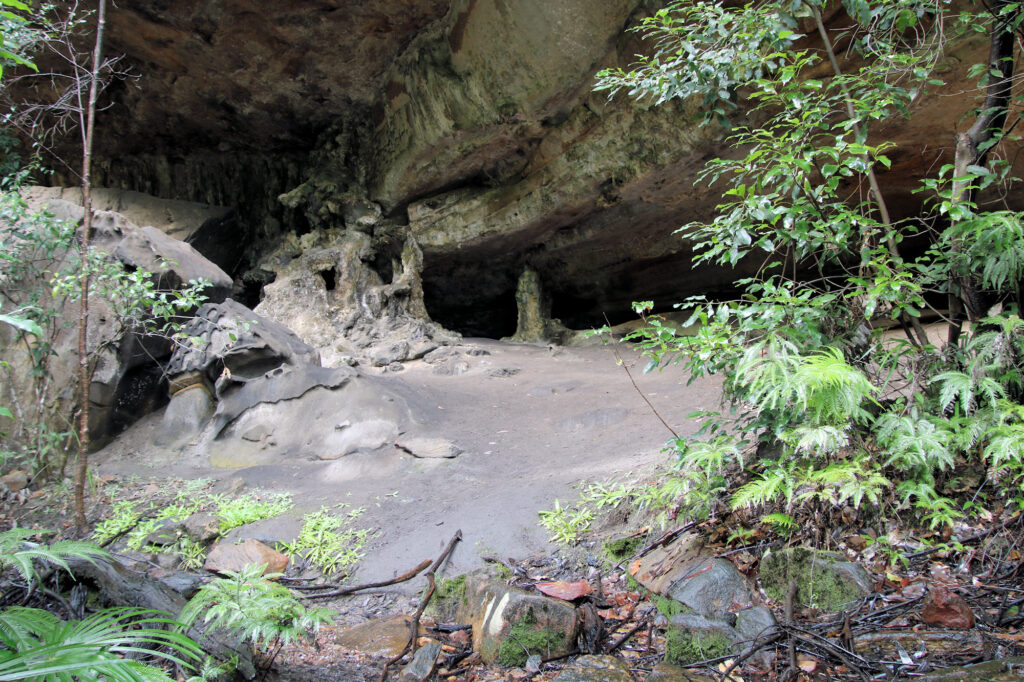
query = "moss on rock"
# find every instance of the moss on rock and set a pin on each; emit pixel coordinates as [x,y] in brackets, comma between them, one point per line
[449,593]
[526,639]
[683,646]
[824,580]
[669,607]
[624,547]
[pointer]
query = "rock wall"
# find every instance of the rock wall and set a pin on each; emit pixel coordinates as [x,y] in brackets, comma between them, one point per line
[467,127]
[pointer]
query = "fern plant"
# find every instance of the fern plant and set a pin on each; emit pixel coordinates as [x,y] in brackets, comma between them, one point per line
[249,508]
[247,604]
[326,543]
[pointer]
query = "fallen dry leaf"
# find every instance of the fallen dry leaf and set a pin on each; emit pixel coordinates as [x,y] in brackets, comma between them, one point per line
[565,591]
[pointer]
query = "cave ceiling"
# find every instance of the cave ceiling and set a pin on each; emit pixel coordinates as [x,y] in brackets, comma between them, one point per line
[471,124]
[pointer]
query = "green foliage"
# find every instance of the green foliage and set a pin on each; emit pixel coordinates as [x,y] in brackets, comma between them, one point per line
[17,552]
[246,604]
[839,413]
[566,524]
[995,242]
[121,518]
[327,544]
[192,554]
[43,274]
[36,645]
[249,507]
[17,35]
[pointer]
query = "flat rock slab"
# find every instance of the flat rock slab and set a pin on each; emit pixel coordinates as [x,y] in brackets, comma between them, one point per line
[229,557]
[509,625]
[277,530]
[592,419]
[682,570]
[712,587]
[423,663]
[595,669]
[692,637]
[383,637]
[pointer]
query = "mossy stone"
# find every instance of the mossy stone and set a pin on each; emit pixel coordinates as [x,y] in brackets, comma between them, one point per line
[624,547]
[524,640]
[670,607]
[449,594]
[684,646]
[824,580]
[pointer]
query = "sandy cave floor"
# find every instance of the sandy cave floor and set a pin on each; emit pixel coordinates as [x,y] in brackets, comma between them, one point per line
[532,421]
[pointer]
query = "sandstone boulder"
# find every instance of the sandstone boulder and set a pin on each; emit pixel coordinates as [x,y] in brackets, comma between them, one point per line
[509,625]
[225,556]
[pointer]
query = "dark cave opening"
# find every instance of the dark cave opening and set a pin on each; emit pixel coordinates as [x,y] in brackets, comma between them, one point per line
[142,390]
[329,277]
[250,292]
[489,316]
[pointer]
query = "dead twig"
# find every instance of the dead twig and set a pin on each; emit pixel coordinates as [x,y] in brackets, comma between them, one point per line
[342,591]
[665,539]
[629,374]
[622,640]
[414,626]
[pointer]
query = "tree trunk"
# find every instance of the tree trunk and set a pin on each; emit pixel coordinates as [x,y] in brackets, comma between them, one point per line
[84,375]
[972,149]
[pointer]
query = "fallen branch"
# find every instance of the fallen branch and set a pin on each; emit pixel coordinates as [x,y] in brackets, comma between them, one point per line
[622,640]
[414,626]
[342,591]
[666,538]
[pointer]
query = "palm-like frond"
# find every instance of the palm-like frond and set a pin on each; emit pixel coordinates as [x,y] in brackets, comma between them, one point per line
[995,240]
[967,390]
[16,551]
[833,390]
[769,486]
[821,440]
[854,481]
[914,443]
[39,646]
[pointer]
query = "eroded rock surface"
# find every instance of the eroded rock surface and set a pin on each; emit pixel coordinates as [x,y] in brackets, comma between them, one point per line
[469,127]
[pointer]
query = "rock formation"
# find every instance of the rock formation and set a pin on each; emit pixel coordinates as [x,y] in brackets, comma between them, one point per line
[467,130]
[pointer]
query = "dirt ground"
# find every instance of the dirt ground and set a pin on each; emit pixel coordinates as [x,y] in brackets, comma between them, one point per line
[532,421]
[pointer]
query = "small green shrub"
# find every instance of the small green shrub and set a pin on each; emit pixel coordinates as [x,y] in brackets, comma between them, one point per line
[248,605]
[249,508]
[327,544]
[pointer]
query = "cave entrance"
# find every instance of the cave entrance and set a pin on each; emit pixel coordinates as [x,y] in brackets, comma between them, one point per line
[490,317]
[329,277]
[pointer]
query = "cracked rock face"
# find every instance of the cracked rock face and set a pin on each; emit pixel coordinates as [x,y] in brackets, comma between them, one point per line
[466,127]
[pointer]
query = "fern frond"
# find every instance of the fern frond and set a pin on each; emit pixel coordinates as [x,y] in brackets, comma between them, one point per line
[823,440]
[247,604]
[770,486]
[44,647]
